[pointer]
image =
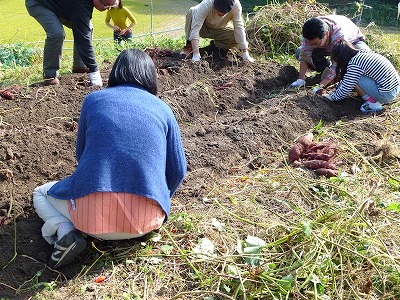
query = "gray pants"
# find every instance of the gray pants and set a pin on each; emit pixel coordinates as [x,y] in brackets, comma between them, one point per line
[224,38]
[55,35]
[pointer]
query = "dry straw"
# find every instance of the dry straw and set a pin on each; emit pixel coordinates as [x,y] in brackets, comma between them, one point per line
[276,28]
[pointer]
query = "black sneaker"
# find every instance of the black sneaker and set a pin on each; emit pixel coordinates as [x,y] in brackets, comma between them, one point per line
[66,249]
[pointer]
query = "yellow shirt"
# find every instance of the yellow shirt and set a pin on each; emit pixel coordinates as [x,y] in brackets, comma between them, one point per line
[119,17]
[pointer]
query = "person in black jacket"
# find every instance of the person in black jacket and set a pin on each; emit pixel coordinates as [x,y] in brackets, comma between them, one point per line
[77,15]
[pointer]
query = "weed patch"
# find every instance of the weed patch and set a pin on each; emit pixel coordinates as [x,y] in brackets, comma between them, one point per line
[17,55]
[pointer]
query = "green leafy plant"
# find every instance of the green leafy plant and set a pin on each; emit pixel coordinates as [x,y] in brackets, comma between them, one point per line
[17,55]
[395,207]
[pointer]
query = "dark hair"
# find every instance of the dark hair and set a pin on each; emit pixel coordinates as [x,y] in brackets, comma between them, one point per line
[314,28]
[134,66]
[120,5]
[224,6]
[341,53]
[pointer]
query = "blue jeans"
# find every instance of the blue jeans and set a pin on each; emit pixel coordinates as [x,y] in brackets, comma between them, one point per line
[369,86]
[55,35]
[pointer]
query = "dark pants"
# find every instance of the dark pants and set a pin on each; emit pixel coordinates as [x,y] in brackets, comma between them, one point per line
[55,35]
[126,37]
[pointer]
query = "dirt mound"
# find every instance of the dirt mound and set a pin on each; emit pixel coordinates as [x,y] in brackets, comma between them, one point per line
[230,113]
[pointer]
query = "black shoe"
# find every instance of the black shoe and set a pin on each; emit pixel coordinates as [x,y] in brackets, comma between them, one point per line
[66,249]
[211,49]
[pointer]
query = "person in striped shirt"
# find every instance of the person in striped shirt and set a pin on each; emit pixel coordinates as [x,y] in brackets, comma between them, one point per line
[320,35]
[370,74]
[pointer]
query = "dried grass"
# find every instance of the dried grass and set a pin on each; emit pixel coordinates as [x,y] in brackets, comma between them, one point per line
[276,28]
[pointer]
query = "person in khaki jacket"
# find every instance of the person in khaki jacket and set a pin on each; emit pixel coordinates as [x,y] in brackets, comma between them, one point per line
[220,20]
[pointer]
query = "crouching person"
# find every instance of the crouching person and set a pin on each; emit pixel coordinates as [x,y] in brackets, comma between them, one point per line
[220,20]
[320,35]
[370,74]
[130,163]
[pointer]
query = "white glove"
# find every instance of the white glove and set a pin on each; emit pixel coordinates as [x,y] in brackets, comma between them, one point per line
[196,57]
[298,83]
[95,78]
[328,97]
[246,56]
[316,89]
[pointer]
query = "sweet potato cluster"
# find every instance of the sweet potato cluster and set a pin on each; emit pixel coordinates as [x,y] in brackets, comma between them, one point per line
[318,156]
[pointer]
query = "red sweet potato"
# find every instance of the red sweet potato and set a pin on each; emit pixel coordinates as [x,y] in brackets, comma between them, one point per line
[316,155]
[306,139]
[330,150]
[224,86]
[318,164]
[295,152]
[326,172]
[317,146]
[7,95]
[296,163]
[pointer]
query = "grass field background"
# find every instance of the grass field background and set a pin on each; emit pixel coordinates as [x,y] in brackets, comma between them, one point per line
[18,26]
[153,17]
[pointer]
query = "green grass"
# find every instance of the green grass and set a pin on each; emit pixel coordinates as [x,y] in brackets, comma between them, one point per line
[393,36]
[24,39]
[167,14]
[32,53]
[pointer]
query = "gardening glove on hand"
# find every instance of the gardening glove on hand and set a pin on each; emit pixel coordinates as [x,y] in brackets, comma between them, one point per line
[246,56]
[316,89]
[196,57]
[298,83]
[95,78]
[328,97]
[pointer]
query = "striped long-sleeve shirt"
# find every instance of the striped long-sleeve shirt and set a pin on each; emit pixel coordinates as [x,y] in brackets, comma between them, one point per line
[369,64]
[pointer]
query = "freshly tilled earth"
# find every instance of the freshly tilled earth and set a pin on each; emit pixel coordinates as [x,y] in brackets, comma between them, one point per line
[229,112]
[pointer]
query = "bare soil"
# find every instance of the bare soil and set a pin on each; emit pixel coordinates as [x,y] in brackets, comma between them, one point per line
[230,112]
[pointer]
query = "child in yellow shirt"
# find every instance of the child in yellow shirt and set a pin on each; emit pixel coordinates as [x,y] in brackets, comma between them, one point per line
[119,15]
